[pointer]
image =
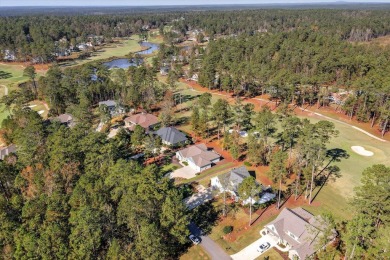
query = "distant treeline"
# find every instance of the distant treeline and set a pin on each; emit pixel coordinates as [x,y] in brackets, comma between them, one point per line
[29,37]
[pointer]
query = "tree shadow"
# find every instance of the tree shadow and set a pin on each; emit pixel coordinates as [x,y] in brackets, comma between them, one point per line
[205,217]
[337,154]
[252,173]
[5,75]
[332,173]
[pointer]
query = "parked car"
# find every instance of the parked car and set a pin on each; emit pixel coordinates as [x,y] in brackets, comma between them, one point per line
[195,239]
[263,247]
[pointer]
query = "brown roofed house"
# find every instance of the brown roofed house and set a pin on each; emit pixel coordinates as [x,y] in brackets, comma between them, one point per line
[198,157]
[298,230]
[147,121]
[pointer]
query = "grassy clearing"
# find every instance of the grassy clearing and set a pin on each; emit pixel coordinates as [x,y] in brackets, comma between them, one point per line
[330,201]
[38,106]
[351,169]
[195,253]
[12,75]
[118,49]
[271,254]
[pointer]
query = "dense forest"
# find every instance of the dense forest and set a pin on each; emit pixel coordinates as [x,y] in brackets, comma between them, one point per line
[35,36]
[70,194]
[302,67]
[73,193]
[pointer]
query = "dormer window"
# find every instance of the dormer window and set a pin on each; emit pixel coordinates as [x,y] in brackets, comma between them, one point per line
[292,235]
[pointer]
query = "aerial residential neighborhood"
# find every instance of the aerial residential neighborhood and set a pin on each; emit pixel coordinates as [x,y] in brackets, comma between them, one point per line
[212,130]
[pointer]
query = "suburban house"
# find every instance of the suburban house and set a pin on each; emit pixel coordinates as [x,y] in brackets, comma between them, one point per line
[112,107]
[171,136]
[66,119]
[230,181]
[6,150]
[164,71]
[198,157]
[298,230]
[147,121]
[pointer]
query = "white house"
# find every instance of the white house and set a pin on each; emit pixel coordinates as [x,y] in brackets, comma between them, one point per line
[230,181]
[198,157]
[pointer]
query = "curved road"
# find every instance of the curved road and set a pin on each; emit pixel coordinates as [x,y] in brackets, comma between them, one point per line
[212,248]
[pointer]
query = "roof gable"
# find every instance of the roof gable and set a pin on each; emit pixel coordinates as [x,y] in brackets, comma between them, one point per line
[171,135]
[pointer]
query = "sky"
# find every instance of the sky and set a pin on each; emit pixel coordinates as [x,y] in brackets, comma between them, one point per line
[159,2]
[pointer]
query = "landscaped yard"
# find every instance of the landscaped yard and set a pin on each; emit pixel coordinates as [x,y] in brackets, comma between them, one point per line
[272,254]
[195,253]
[242,236]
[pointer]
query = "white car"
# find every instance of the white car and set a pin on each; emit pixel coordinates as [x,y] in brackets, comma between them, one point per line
[194,239]
[263,247]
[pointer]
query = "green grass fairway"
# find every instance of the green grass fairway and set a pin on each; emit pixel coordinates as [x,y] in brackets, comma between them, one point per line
[112,50]
[13,74]
[352,168]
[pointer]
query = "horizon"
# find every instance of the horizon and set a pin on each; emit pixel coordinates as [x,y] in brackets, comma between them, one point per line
[151,3]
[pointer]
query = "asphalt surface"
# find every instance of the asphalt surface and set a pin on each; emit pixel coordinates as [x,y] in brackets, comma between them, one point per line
[212,248]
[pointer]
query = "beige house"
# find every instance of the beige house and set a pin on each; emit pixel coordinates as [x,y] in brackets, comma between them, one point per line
[198,157]
[147,121]
[298,230]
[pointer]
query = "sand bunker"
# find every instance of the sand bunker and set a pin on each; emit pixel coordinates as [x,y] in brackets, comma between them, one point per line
[41,112]
[361,150]
[32,106]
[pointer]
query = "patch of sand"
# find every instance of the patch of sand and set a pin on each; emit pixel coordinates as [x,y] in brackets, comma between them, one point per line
[32,106]
[361,151]
[41,112]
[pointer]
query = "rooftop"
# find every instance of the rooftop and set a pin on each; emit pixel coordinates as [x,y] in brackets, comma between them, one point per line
[171,135]
[144,120]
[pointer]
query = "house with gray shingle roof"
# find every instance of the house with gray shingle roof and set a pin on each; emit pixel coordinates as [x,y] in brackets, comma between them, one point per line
[112,106]
[198,157]
[171,136]
[230,181]
[298,230]
[7,150]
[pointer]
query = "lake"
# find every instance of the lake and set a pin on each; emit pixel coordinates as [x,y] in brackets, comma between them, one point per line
[124,63]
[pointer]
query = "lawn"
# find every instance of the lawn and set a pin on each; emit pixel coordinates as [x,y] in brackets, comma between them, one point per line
[38,106]
[352,168]
[11,74]
[195,253]
[204,177]
[272,254]
[117,49]
[243,236]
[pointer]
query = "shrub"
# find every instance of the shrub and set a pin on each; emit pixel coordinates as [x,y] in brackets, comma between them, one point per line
[185,163]
[227,229]
[248,164]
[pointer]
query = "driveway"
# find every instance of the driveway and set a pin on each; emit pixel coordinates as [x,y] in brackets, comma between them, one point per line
[185,172]
[212,248]
[203,195]
[250,252]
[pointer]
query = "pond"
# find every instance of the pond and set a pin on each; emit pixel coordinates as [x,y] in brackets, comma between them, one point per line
[151,48]
[124,63]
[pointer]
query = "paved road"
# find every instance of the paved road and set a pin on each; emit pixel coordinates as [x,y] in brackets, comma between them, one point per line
[212,248]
